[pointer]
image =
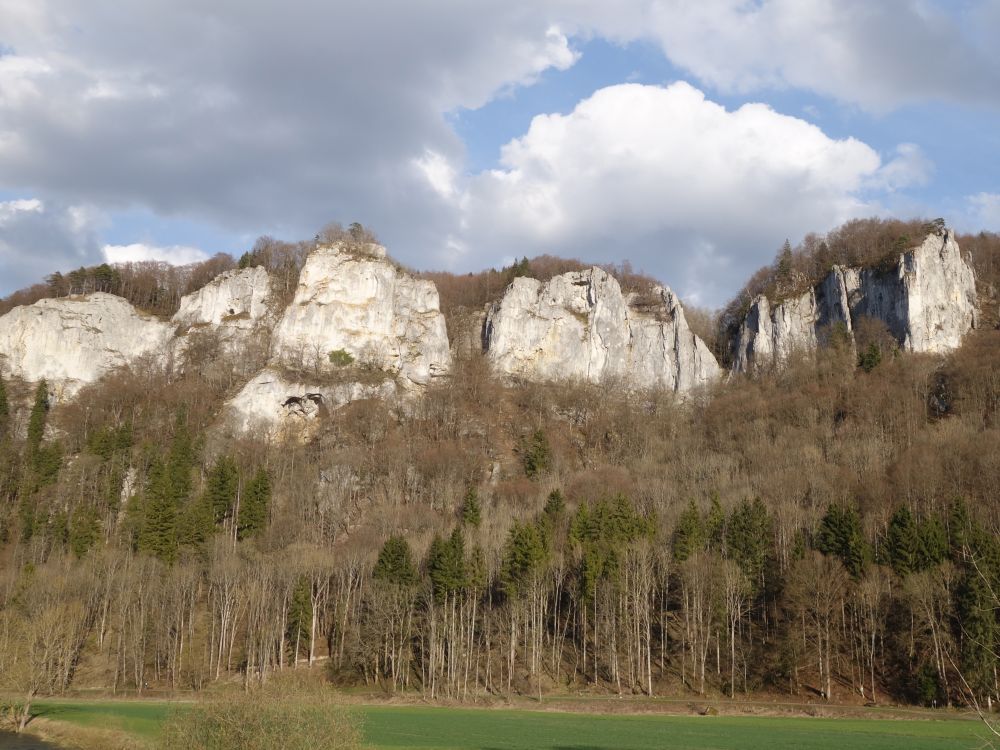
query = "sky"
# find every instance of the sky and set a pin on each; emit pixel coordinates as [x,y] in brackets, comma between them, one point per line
[689,138]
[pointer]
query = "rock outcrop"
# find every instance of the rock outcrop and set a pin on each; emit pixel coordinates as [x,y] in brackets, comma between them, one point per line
[580,326]
[358,327]
[73,341]
[235,299]
[280,406]
[926,300]
[357,306]
[234,310]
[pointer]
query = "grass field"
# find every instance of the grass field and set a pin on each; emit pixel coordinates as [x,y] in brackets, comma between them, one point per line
[409,728]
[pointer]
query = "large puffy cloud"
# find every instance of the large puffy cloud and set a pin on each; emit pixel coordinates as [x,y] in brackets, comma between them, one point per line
[696,194]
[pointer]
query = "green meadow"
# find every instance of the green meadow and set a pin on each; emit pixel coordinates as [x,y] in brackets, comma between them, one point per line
[432,728]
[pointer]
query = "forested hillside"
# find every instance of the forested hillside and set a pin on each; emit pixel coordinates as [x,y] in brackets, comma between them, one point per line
[830,529]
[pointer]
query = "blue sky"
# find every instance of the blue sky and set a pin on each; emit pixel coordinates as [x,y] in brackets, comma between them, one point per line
[688,138]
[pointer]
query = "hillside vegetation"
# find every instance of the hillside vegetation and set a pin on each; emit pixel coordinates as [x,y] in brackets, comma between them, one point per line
[829,531]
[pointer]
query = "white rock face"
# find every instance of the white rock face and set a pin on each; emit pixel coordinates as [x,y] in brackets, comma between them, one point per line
[236,299]
[233,310]
[927,301]
[349,303]
[73,341]
[361,304]
[580,326]
[273,405]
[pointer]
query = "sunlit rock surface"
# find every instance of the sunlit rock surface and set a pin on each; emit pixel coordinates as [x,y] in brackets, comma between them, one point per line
[926,300]
[580,326]
[73,341]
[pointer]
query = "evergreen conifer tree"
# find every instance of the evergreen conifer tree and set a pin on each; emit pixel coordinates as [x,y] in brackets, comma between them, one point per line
[902,542]
[4,408]
[689,536]
[300,616]
[933,547]
[784,268]
[446,565]
[36,421]
[537,455]
[395,563]
[471,511]
[840,534]
[715,525]
[748,538]
[221,488]
[254,505]
[523,556]
[84,530]
[158,535]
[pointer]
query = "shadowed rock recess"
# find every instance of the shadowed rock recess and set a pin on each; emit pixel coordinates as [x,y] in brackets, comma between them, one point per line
[926,300]
[359,327]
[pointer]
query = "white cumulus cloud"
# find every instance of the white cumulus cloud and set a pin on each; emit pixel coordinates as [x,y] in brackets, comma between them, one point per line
[178,255]
[686,189]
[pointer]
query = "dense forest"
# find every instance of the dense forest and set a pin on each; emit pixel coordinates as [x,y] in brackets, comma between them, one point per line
[830,530]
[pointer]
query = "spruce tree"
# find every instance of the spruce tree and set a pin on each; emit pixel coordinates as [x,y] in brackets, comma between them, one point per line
[523,556]
[933,547]
[749,538]
[84,530]
[395,563]
[300,616]
[840,535]
[784,264]
[180,461]
[471,511]
[975,610]
[902,542]
[158,535]
[715,525]
[537,455]
[446,565]
[555,505]
[221,488]
[689,536]
[254,505]
[196,523]
[36,422]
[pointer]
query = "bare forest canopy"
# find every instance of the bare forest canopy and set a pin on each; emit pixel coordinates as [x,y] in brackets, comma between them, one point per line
[831,531]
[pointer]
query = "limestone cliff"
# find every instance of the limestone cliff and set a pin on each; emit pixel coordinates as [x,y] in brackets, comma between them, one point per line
[235,299]
[73,341]
[581,326]
[234,309]
[358,327]
[926,300]
[277,405]
[358,305]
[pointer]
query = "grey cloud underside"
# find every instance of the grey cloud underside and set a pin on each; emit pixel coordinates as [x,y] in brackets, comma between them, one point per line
[33,244]
[264,117]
